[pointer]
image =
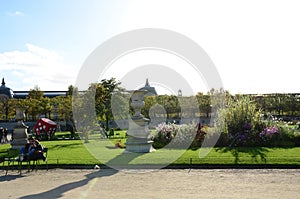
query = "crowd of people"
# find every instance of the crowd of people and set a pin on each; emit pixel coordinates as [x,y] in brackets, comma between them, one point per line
[33,150]
[3,135]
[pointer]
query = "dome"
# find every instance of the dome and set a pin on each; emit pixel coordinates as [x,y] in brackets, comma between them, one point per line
[151,90]
[5,92]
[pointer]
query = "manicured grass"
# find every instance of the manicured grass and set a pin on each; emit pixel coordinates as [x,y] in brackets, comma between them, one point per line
[68,152]
[255,155]
[288,156]
[102,151]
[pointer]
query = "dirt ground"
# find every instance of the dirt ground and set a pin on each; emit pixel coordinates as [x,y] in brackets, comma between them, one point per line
[164,183]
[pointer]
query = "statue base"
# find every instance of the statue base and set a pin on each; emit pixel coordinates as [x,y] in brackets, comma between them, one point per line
[138,145]
[19,136]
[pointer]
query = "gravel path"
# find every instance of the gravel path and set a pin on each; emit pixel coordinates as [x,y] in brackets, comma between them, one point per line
[165,183]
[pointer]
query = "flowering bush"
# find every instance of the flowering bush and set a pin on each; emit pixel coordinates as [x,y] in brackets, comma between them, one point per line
[165,133]
[184,136]
[178,136]
[239,122]
[269,132]
[166,129]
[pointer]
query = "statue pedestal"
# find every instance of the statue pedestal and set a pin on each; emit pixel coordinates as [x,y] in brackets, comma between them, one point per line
[137,145]
[138,133]
[20,136]
[138,130]
[20,131]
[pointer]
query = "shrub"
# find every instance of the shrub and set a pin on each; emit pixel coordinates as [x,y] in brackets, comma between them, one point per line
[165,133]
[241,120]
[269,136]
[184,136]
[178,136]
[288,136]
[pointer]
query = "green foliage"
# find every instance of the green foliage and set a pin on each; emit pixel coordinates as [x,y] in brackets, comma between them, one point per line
[170,104]
[84,111]
[35,93]
[103,98]
[241,121]
[204,102]
[63,107]
[289,136]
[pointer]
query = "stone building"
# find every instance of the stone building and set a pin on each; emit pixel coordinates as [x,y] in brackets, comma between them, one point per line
[151,90]
[5,92]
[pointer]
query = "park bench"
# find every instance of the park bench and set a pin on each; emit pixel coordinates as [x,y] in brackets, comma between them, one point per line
[25,158]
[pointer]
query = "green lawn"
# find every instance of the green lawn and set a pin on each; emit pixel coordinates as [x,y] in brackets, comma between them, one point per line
[74,152]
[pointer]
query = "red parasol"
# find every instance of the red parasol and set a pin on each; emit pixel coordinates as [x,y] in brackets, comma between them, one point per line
[45,125]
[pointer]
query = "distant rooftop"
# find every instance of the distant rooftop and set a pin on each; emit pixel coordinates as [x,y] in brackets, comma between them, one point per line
[5,91]
[50,94]
[151,90]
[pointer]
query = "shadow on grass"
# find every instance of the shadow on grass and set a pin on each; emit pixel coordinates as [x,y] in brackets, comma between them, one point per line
[73,145]
[122,161]
[254,152]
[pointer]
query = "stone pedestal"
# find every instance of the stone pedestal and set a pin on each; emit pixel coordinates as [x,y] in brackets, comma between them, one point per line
[20,131]
[138,133]
[138,130]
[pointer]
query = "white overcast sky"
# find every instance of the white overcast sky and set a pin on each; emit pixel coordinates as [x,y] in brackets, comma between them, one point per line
[255,45]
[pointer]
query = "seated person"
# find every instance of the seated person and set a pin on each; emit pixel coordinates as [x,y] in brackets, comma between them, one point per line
[33,150]
[36,151]
[24,152]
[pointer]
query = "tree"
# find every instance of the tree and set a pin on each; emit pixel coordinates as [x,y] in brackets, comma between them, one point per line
[204,103]
[4,107]
[61,107]
[13,104]
[103,98]
[46,107]
[35,93]
[70,90]
[84,111]
[150,101]
[293,104]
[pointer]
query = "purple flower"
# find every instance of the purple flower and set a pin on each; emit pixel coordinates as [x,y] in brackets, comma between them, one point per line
[243,137]
[247,126]
[269,132]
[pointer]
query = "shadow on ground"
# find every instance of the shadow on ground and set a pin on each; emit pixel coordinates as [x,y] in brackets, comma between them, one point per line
[118,163]
[10,177]
[59,191]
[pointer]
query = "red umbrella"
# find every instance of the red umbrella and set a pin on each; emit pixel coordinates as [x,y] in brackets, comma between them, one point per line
[45,125]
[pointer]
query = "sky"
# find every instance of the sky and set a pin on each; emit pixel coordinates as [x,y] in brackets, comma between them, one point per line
[255,45]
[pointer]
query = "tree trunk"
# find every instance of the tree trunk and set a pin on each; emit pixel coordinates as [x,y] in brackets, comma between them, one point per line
[86,137]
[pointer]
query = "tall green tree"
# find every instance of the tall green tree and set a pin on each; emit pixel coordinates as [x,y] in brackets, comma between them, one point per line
[35,93]
[204,103]
[46,107]
[70,90]
[84,111]
[103,98]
